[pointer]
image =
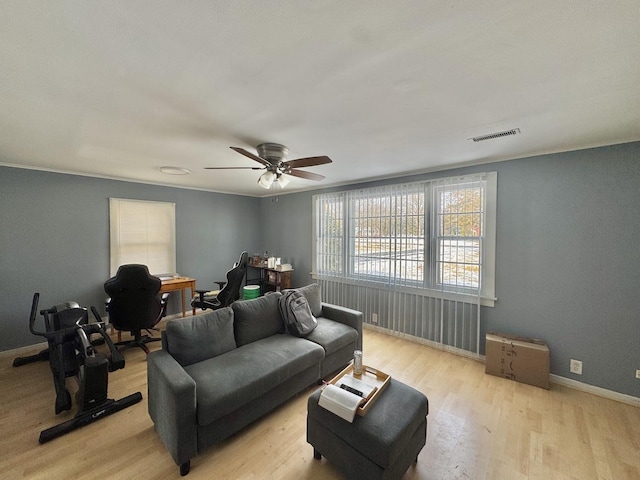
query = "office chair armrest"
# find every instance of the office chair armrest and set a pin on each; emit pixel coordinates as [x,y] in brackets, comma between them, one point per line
[172,405]
[200,302]
[164,298]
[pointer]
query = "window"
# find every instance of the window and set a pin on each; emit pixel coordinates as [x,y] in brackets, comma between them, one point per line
[386,234]
[330,245]
[459,225]
[435,235]
[143,232]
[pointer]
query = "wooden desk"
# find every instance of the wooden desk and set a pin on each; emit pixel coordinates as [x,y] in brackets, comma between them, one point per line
[180,283]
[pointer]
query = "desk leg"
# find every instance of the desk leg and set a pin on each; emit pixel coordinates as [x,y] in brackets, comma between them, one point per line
[182,297]
[193,308]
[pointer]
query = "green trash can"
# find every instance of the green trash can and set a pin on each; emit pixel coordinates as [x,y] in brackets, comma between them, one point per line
[250,291]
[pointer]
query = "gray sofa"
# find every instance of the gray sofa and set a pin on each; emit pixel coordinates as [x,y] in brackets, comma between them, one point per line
[221,370]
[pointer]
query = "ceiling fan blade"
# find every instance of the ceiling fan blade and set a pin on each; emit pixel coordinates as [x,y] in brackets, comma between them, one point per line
[305,175]
[258,159]
[308,161]
[233,168]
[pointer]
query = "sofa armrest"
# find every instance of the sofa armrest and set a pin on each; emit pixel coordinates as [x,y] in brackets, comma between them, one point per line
[172,405]
[344,315]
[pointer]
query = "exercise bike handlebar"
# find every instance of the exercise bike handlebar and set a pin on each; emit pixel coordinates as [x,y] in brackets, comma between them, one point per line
[32,316]
[53,335]
[116,360]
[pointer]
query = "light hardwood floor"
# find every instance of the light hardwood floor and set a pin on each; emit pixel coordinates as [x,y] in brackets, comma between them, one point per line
[479,427]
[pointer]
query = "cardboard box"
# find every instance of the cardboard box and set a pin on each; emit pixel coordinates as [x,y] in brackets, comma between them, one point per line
[524,360]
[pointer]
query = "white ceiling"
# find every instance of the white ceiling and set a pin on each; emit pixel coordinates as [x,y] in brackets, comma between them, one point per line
[117,89]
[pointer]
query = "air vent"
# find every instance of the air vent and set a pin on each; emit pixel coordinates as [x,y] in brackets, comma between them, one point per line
[513,131]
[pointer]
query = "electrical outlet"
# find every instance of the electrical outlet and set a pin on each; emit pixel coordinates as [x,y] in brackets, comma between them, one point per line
[575,367]
[638,374]
[374,318]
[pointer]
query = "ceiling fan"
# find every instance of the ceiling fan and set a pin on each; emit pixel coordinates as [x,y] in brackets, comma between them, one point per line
[272,157]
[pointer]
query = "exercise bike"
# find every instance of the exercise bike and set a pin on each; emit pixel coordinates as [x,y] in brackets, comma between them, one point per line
[43,355]
[67,330]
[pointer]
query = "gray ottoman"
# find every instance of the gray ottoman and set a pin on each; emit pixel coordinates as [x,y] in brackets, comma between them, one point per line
[381,444]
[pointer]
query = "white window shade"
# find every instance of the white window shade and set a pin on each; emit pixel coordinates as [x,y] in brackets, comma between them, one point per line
[143,232]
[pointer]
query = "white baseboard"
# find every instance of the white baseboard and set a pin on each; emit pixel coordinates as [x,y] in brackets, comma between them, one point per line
[567,382]
[600,392]
[424,341]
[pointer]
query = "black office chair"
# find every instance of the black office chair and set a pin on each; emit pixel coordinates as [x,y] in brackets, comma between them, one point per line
[230,290]
[134,304]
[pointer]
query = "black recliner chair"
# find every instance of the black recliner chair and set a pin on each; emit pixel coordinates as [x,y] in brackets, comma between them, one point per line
[229,293]
[134,304]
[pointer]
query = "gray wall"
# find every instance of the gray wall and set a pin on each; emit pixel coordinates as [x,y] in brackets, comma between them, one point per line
[567,260]
[54,239]
[287,232]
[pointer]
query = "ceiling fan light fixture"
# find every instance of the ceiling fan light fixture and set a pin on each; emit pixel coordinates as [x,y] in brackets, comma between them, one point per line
[266,180]
[272,157]
[281,181]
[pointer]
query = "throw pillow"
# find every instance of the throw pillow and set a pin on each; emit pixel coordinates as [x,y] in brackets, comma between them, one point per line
[257,318]
[194,339]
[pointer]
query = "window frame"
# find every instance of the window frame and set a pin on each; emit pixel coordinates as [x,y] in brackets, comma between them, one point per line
[395,196]
[428,285]
[448,225]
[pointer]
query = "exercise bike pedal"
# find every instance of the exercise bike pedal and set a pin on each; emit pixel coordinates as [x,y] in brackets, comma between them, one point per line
[63,401]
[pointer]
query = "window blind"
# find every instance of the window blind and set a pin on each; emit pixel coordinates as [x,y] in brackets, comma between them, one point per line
[386,234]
[142,232]
[434,236]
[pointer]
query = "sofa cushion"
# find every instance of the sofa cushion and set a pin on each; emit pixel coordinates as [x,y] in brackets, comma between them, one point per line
[193,339]
[227,382]
[332,336]
[312,293]
[256,319]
